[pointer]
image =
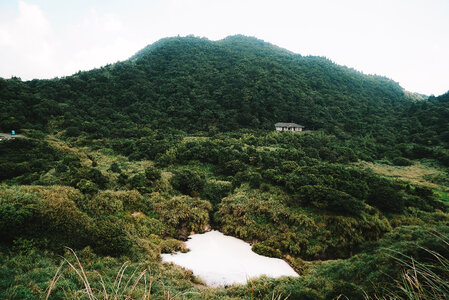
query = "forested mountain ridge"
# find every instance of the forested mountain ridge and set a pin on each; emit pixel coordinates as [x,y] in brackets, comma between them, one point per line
[238,82]
[193,84]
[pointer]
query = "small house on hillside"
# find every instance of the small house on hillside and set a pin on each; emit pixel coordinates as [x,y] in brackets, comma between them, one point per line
[288,127]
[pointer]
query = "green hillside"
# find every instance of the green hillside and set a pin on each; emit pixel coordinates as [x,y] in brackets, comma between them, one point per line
[121,163]
[235,83]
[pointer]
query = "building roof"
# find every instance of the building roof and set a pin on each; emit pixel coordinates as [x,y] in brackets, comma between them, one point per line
[288,125]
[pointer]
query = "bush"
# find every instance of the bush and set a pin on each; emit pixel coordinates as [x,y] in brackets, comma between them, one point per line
[145,226]
[152,173]
[104,203]
[330,199]
[13,217]
[110,237]
[87,186]
[401,161]
[184,214]
[345,290]
[385,196]
[253,178]
[265,250]
[233,166]
[216,190]
[115,168]
[188,182]
[44,212]
[139,182]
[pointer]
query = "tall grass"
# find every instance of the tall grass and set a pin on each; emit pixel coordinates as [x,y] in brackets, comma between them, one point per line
[423,280]
[120,289]
[138,285]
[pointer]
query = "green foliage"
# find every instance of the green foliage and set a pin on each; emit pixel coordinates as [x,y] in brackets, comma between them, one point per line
[13,217]
[87,186]
[268,218]
[139,182]
[402,161]
[105,203]
[152,173]
[115,168]
[110,237]
[39,211]
[367,270]
[253,178]
[204,112]
[385,196]
[329,199]
[183,214]
[23,160]
[239,82]
[262,249]
[188,182]
[215,190]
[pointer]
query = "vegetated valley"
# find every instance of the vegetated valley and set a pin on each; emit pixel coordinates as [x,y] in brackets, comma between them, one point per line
[119,164]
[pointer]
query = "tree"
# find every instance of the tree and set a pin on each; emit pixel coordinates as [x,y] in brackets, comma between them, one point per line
[188,182]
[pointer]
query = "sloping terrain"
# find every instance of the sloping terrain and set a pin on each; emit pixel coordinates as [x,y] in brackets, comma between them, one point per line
[121,163]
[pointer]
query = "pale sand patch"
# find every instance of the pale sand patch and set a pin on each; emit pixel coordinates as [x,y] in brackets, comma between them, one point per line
[220,260]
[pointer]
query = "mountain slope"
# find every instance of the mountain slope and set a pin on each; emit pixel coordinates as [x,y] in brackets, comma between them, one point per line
[193,84]
[234,83]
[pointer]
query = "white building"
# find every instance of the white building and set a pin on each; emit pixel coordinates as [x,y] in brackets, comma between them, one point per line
[288,127]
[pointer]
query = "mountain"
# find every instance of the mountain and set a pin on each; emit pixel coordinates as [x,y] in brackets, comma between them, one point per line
[198,85]
[121,162]
[193,84]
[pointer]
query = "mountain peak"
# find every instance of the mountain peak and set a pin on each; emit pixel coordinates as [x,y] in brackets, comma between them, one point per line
[170,41]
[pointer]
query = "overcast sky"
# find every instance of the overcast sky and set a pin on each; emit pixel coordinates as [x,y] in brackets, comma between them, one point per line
[405,40]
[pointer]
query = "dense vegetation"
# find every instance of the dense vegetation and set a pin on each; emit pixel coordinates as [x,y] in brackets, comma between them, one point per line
[122,162]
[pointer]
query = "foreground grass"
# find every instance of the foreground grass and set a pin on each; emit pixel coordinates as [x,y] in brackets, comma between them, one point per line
[423,280]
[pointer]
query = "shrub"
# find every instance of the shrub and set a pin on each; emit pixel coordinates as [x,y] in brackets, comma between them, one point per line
[133,200]
[30,211]
[289,166]
[385,196]
[345,290]
[188,182]
[13,217]
[139,182]
[152,173]
[87,186]
[234,166]
[330,199]
[263,249]
[104,203]
[216,190]
[122,179]
[145,226]
[401,161]
[115,168]
[184,214]
[110,237]
[253,178]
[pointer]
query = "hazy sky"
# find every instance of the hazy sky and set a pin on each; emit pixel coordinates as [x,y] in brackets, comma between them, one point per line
[406,40]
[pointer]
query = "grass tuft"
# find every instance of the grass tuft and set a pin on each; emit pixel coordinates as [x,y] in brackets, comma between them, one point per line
[423,280]
[118,290]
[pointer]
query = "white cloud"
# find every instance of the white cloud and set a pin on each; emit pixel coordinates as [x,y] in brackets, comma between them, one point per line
[31,48]
[96,40]
[26,42]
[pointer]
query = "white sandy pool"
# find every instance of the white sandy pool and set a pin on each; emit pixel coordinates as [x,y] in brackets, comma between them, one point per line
[220,260]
